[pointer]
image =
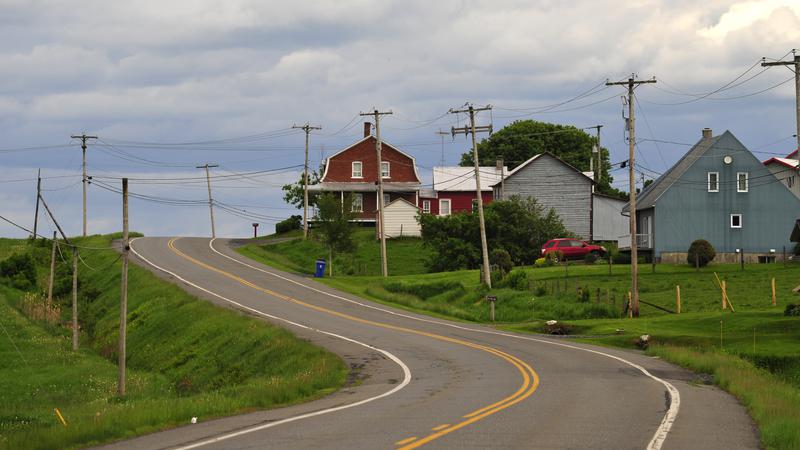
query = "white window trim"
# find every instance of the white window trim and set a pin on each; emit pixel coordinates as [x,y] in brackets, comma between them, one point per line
[359,203]
[388,169]
[353,169]
[426,206]
[740,221]
[746,182]
[449,206]
[709,181]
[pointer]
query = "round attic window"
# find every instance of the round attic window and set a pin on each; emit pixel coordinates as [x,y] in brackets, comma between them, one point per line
[727,159]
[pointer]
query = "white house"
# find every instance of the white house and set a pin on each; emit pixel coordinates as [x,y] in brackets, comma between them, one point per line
[401,219]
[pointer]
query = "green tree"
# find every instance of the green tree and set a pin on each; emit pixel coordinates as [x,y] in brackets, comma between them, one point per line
[521,140]
[293,192]
[333,223]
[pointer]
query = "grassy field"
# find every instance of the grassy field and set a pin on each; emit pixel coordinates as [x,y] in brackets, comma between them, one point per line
[753,353]
[186,358]
[407,255]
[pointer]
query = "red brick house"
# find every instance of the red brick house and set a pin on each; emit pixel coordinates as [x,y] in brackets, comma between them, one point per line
[455,189]
[354,170]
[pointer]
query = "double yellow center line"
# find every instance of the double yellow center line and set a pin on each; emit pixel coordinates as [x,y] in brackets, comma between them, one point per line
[530,379]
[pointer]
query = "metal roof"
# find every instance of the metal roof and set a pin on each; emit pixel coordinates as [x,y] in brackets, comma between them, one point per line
[457,178]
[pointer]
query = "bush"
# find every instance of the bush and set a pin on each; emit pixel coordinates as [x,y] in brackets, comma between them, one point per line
[423,290]
[20,270]
[501,259]
[701,252]
[517,279]
[792,310]
[590,258]
[292,223]
[554,257]
[542,262]
[558,328]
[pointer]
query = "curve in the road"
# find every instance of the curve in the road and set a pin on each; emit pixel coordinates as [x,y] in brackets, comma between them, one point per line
[530,379]
[658,437]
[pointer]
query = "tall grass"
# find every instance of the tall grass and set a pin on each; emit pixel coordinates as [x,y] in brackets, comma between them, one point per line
[186,358]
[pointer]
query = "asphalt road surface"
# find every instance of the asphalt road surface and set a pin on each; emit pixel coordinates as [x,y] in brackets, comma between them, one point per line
[431,383]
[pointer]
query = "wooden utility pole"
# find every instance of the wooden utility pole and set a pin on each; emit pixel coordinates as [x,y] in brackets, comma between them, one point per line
[307,128]
[83,137]
[442,134]
[472,129]
[631,83]
[377,115]
[38,196]
[796,63]
[500,167]
[74,298]
[597,153]
[52,270]
[210,200]
[123,293]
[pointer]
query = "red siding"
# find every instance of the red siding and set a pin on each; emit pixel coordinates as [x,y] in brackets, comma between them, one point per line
[461,201]
[401,167]
[371,203]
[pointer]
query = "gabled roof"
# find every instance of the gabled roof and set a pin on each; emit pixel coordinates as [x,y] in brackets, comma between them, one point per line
[650,195]
[535,157]
[791,163]
[457,178]
[793,154]
[413,160]
[400,199]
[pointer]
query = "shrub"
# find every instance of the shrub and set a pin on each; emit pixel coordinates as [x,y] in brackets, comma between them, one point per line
[554,257]
[621,258]
[20,270]
[292,223]
[501,259]
[792,310]
[590,258]
[541,262]
[423,290]
[701,252]
[517,279]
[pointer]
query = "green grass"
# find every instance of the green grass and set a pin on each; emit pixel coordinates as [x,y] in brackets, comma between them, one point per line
[765,377]
[406,255]
[186,358]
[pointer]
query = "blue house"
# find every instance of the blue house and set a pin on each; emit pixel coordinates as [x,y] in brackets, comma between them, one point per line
[719,191]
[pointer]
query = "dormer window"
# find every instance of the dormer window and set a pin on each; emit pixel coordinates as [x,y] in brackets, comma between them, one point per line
[385,169]
[741,182]
[357,170]
[713,181]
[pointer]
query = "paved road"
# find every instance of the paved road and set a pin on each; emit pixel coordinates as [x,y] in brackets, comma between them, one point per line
[432,383]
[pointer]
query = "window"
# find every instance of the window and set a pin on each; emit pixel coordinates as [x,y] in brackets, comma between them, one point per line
[736,221]
[385,169]
[474,205]
[444,207]
[386,199]
[550,244]
[358,203]
[741,182]
[713,181]
[565,243]
[426,206]
[357,169]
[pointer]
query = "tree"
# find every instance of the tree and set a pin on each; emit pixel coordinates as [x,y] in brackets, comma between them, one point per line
[333,223]
[293,192]
[521,140]
[518,226]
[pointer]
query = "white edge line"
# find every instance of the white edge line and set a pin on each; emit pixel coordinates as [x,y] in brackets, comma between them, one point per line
[675,398]
[404,383]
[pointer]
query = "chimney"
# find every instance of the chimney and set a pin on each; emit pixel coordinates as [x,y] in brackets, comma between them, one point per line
[367,129]
[706,133]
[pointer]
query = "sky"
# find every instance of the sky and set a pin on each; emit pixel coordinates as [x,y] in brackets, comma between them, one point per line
[169,86]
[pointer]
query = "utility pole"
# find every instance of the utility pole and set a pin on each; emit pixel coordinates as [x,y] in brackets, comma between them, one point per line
[38,196]
[123,293]
[307,128]
[210,201]
[631,83]
[83,137]
[52,270]
[74,298]
[597,153]
[377,115]
[796,63]
[472,129]
[442,134]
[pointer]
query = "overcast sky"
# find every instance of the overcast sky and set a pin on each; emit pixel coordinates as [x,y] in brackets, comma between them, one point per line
[240,73]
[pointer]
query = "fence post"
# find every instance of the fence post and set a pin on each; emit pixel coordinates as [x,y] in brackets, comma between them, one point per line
[678,298]
[724,297]
[774,300]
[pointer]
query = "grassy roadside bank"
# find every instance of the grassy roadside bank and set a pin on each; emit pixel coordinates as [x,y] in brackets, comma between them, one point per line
[186,358]
[764,377]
